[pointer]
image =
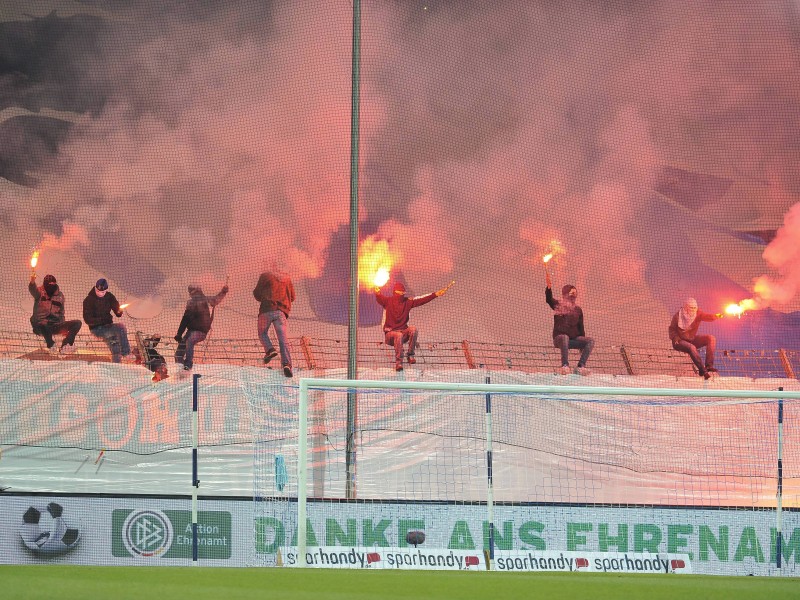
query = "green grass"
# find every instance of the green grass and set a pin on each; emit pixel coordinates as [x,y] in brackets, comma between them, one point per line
[66,582]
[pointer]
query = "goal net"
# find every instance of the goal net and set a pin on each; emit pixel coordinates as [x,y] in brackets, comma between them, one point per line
[380,474]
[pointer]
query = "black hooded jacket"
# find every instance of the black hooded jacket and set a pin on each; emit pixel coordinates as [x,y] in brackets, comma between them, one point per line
[48,302]
[97,310]
[197,315]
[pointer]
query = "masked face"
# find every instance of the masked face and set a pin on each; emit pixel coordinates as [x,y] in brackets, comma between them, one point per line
[50,288]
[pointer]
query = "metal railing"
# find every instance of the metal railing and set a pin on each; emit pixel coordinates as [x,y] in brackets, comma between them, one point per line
[322,353]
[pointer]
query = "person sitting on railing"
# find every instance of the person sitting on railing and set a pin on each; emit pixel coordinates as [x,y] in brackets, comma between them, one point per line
[48,315]
[568,328]
[196,322]
[97,308]
[396,329]
[684,337]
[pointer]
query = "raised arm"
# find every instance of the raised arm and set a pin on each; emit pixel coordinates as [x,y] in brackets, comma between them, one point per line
[442,291]
[33,288]
[709,316]
[379,297]
[213,301]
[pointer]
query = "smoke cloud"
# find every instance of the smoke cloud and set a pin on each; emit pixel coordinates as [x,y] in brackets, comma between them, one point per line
[207,140]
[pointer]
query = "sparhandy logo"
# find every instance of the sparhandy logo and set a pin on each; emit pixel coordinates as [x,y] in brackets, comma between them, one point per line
[387,558]
[592,562]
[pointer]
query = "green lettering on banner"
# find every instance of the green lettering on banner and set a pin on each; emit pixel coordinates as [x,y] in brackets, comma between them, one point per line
[527,535]
[574,537]
[619,541]
[270,535]
[749,546]
[376,535]
[646,537]
[790,545]
[502,541]
[461,537]
[311,535]
[335,535]
[707,540]
[406,525]
[675,541]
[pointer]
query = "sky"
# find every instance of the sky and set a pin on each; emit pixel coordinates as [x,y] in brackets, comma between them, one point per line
[654,146]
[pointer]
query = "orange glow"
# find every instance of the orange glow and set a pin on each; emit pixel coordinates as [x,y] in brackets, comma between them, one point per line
[381,277]
[375,262]
[739,309]
[34,259]
[547,257]
[124,306]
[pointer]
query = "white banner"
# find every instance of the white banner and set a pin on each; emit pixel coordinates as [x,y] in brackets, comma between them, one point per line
[157,530]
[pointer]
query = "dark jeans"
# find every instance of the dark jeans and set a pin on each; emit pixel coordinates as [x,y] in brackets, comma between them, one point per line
[185,352]
[396,339]
[690,348]
[68,328]
[116,338]
[565,344]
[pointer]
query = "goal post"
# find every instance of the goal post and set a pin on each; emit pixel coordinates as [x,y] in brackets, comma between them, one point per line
[632,412]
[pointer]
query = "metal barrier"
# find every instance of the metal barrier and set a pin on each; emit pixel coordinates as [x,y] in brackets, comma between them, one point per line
[322,354]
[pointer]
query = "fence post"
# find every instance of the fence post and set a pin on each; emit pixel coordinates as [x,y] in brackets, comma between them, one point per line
[309,356]
[626,359]
[467,354]
[787,366]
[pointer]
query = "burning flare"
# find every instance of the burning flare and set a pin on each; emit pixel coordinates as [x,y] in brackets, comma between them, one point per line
[375,262]
[34,259]
[124,306]
[381,277]
[740,308]
[554,249]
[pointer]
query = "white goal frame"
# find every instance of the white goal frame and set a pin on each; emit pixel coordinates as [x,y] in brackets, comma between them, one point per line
[307,383]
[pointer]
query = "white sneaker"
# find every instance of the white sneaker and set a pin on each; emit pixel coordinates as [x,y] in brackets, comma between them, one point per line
[565,370]
[585,371]
[67,349]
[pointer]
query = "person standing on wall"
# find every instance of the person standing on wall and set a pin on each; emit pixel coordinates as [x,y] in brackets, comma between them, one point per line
[196,322]
[275,292]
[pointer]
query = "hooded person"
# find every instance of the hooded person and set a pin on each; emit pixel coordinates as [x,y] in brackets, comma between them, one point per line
[48,318]
[568,328]
[196,323]
[98,307]
[684,337]
[397,310]
[275,292]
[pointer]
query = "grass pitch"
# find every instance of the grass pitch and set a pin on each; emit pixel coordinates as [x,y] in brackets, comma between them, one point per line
[66,582]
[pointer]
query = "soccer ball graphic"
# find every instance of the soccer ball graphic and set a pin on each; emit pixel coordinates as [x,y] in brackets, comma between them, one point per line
[45,531]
